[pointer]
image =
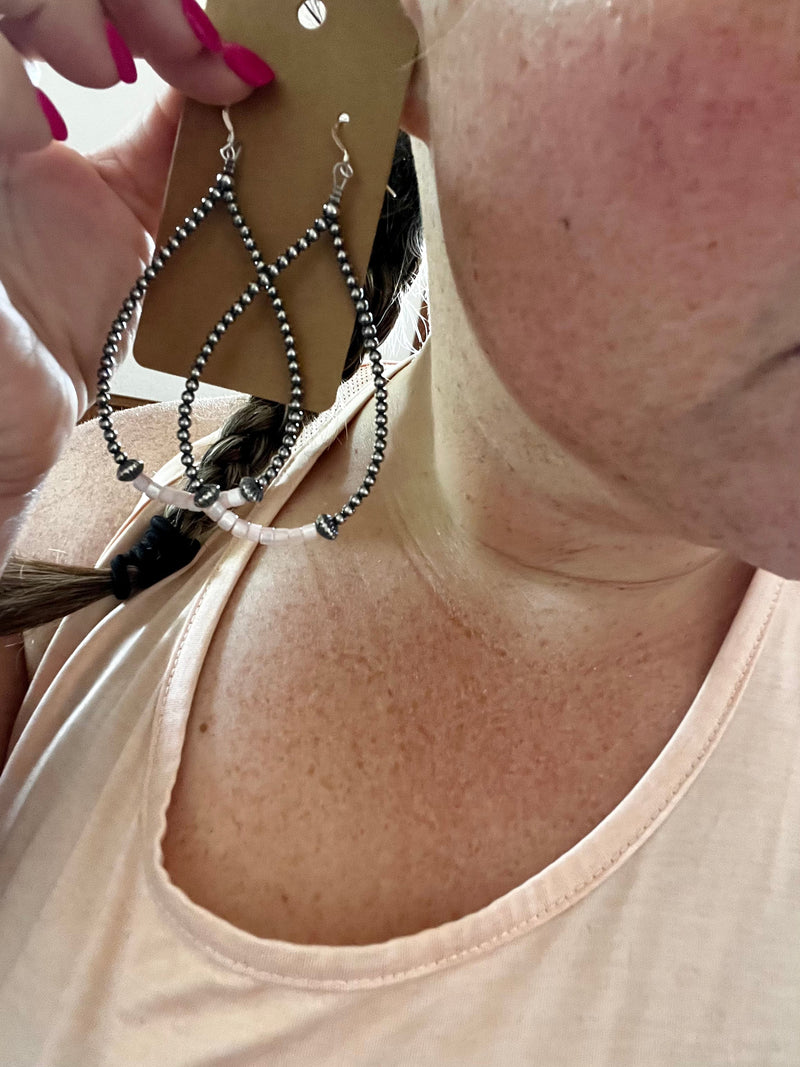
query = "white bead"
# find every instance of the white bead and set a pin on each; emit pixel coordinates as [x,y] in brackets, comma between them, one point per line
[219,513]
[216,511]
[232,498]
[185,500]
[168,495]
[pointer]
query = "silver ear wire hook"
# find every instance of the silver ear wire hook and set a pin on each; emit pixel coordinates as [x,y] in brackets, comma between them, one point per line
[338,171]
[344,117]
[226,118]
[230,151]
[343,169]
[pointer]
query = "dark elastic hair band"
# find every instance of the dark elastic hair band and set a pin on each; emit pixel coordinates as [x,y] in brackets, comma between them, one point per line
[162,551]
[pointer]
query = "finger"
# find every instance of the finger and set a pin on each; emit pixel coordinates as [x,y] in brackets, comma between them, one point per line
[178,40]
[17,9]
[175,37]
[72,37]
[23,124]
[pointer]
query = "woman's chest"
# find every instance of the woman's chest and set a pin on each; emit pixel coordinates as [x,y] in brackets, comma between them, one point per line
[337,790]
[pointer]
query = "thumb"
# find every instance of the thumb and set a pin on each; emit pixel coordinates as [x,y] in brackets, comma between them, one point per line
[136,167]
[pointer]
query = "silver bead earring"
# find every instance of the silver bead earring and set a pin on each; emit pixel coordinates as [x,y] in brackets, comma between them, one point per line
[210,499]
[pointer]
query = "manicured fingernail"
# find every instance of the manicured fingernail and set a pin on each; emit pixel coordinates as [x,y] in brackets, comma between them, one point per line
[247,65]
[58,127]
[121,54]
[201,25]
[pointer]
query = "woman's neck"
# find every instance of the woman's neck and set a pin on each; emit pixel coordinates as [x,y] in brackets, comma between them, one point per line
[492,507]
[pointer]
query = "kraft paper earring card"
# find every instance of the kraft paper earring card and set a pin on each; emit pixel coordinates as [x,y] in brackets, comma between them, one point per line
[341,56]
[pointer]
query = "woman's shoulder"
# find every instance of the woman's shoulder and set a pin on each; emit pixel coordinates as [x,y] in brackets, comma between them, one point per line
[81,503]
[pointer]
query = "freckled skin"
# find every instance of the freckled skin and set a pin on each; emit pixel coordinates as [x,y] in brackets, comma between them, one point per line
[637,164]
[408,728]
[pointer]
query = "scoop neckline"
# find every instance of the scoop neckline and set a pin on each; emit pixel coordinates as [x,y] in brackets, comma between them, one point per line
[548,893]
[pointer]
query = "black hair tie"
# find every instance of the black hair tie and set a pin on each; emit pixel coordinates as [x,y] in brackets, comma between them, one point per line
[162,551]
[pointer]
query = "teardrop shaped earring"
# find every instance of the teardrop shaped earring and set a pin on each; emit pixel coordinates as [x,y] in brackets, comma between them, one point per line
[221,191]
[209,499]
[251,489]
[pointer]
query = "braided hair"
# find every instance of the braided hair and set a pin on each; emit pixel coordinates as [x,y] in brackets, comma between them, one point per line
[34,592]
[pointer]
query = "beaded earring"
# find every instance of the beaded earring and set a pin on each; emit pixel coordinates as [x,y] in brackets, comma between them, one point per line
[210,499]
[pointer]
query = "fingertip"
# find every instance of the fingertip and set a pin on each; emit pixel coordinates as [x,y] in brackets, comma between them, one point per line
[121,54]
[58,128]
[202,26]
[205,78]
[247,65]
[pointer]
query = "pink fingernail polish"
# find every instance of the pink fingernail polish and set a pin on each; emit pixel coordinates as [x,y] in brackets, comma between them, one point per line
[121,54]
[247,65]
[58,127]
[201,25]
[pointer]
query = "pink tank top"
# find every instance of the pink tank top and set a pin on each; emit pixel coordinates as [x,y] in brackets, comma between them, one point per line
[668,937]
